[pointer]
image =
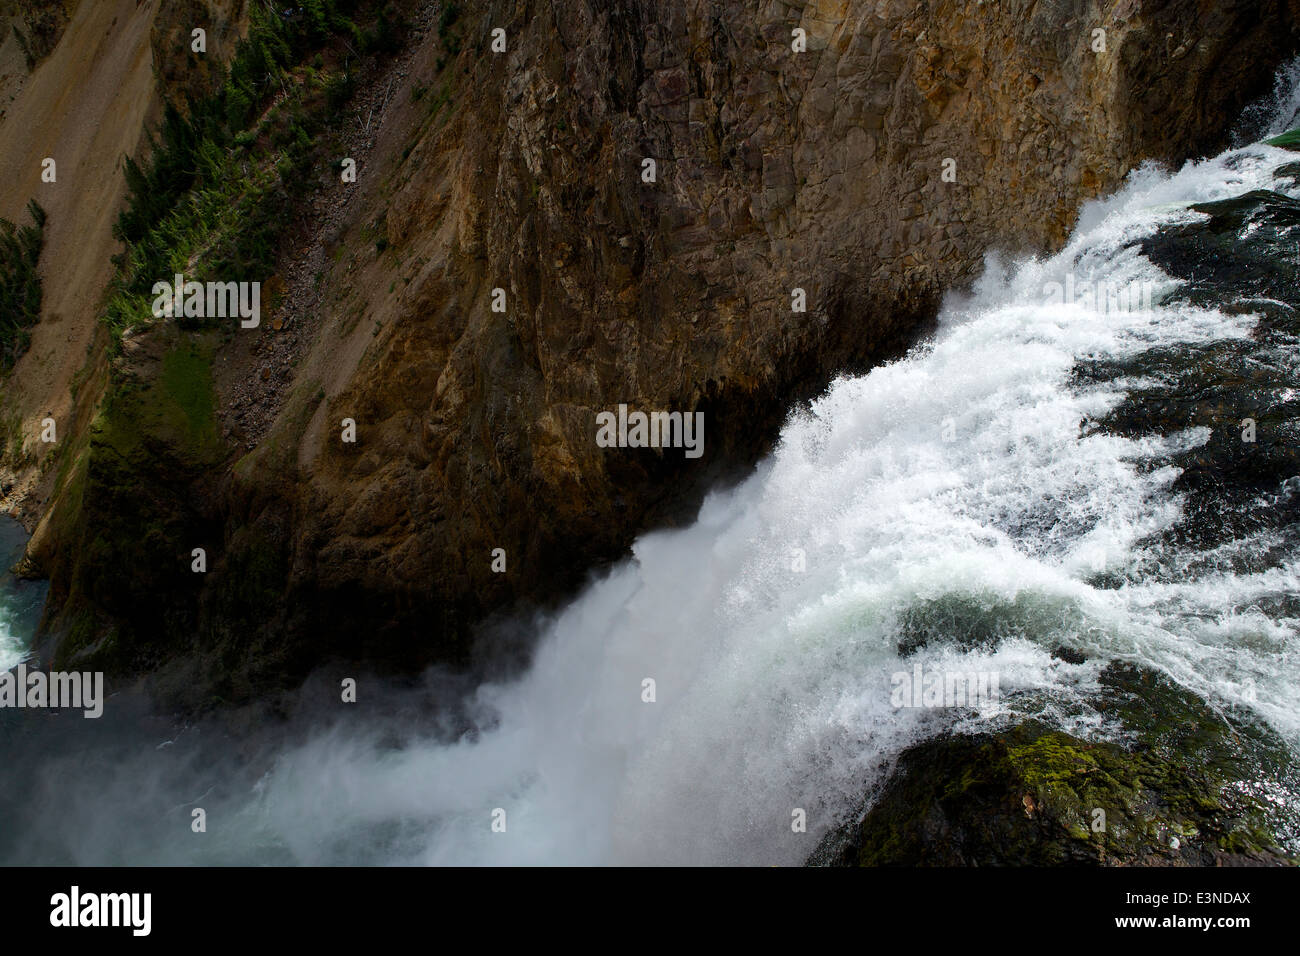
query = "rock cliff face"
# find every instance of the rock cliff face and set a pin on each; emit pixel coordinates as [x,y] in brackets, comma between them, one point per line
[871,170]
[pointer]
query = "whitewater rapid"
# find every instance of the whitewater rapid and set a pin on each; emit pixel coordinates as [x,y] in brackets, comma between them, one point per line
[953,491]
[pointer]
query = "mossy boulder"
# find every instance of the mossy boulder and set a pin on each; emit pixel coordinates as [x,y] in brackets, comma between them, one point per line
[1181,786]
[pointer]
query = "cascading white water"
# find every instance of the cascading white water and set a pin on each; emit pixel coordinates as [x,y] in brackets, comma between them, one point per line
[20,602]
[11,648]
[956,473]
[955,479]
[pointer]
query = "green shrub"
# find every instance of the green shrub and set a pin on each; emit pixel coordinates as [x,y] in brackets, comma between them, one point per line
[217,189]
[339,90]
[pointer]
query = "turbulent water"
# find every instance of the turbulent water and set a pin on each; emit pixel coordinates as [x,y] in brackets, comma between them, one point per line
[20,601]
[968,493]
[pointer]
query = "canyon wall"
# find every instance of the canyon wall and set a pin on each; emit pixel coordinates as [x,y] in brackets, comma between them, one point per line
[871,169]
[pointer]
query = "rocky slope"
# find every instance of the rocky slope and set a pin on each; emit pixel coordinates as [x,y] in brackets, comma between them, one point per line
[88,99]
[822,170]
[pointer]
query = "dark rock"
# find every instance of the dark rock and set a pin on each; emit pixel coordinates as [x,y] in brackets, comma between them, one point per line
[1186,787]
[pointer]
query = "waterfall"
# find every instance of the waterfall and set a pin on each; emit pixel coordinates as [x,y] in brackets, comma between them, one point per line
[958,511]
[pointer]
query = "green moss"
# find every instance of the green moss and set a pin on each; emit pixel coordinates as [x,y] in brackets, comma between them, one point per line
[137,499]
[1051,761]
[186,380]
[175,412]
